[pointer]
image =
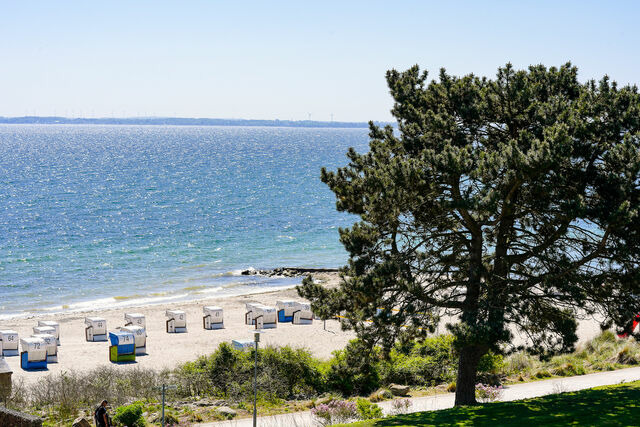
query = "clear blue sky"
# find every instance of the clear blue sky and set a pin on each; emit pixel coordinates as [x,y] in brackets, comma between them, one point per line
[285,59]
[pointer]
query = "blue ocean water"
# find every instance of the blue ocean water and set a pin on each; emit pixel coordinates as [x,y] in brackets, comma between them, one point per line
[102,216]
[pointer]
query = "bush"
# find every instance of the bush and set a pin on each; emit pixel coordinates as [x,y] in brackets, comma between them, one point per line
[297,372]
[130,415]
[416,370]
[192,380]
[222,368]
[491,363]
[368,410]
[354,370]
[283,372]
[430,362]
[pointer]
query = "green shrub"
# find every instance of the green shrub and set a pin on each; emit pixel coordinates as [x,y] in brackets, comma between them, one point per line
[220,369]
[297,372]
[491,369]
[130,415]
[491,363]
[368,410]
[354,370]
[283,372]
[432,361]
[417,370]
[438,346]
[428,362]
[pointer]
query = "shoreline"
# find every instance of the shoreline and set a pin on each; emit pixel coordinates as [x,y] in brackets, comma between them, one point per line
[131,303]
[274,280]
[64,312]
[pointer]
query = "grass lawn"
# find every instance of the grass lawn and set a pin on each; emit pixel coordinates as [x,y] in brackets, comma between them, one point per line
[617,405]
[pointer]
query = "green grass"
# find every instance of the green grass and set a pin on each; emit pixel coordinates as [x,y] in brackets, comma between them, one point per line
[617,405]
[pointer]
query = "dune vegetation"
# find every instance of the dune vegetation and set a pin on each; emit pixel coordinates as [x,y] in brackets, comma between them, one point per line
[292,379]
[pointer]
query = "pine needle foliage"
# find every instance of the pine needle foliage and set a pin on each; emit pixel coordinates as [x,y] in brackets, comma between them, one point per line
[505,202]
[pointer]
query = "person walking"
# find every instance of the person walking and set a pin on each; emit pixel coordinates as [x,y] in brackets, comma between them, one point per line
[101,417]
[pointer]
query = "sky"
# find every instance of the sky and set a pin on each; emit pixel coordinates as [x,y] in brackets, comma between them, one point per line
[288,60]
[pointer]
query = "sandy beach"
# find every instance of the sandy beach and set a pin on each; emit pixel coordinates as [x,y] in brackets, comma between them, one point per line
[165,350]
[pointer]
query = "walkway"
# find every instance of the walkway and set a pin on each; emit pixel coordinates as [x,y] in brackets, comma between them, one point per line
[444,401]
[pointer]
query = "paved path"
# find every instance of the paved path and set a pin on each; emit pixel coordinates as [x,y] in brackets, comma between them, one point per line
[444,401]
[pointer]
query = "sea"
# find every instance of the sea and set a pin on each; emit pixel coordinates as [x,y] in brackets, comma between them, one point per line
[103,216]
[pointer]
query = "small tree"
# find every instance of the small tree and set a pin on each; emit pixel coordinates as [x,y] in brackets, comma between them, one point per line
[506,202]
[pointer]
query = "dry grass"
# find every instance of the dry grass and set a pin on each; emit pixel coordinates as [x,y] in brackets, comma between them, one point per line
[64,396]
[603,353]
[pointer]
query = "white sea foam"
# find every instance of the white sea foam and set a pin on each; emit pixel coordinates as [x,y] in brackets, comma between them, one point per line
[188,294]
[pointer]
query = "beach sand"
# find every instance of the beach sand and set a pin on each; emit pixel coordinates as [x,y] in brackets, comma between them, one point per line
[166,350]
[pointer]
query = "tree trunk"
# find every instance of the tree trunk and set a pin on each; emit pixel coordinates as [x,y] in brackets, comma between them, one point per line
[466,382]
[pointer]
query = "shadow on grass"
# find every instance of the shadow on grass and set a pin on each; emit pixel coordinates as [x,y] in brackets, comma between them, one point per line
[617,405]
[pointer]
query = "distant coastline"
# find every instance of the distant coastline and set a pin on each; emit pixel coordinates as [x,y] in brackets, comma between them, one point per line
[178,121]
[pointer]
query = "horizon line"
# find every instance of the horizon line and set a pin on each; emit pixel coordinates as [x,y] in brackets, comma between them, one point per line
[183,121]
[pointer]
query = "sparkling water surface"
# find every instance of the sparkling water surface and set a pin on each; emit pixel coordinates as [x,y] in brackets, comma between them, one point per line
[102,216]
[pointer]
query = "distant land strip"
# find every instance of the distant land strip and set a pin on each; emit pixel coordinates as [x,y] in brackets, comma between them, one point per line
[288,271]
[177,121]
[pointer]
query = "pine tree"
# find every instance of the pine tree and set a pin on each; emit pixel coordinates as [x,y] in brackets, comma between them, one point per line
[508,203]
